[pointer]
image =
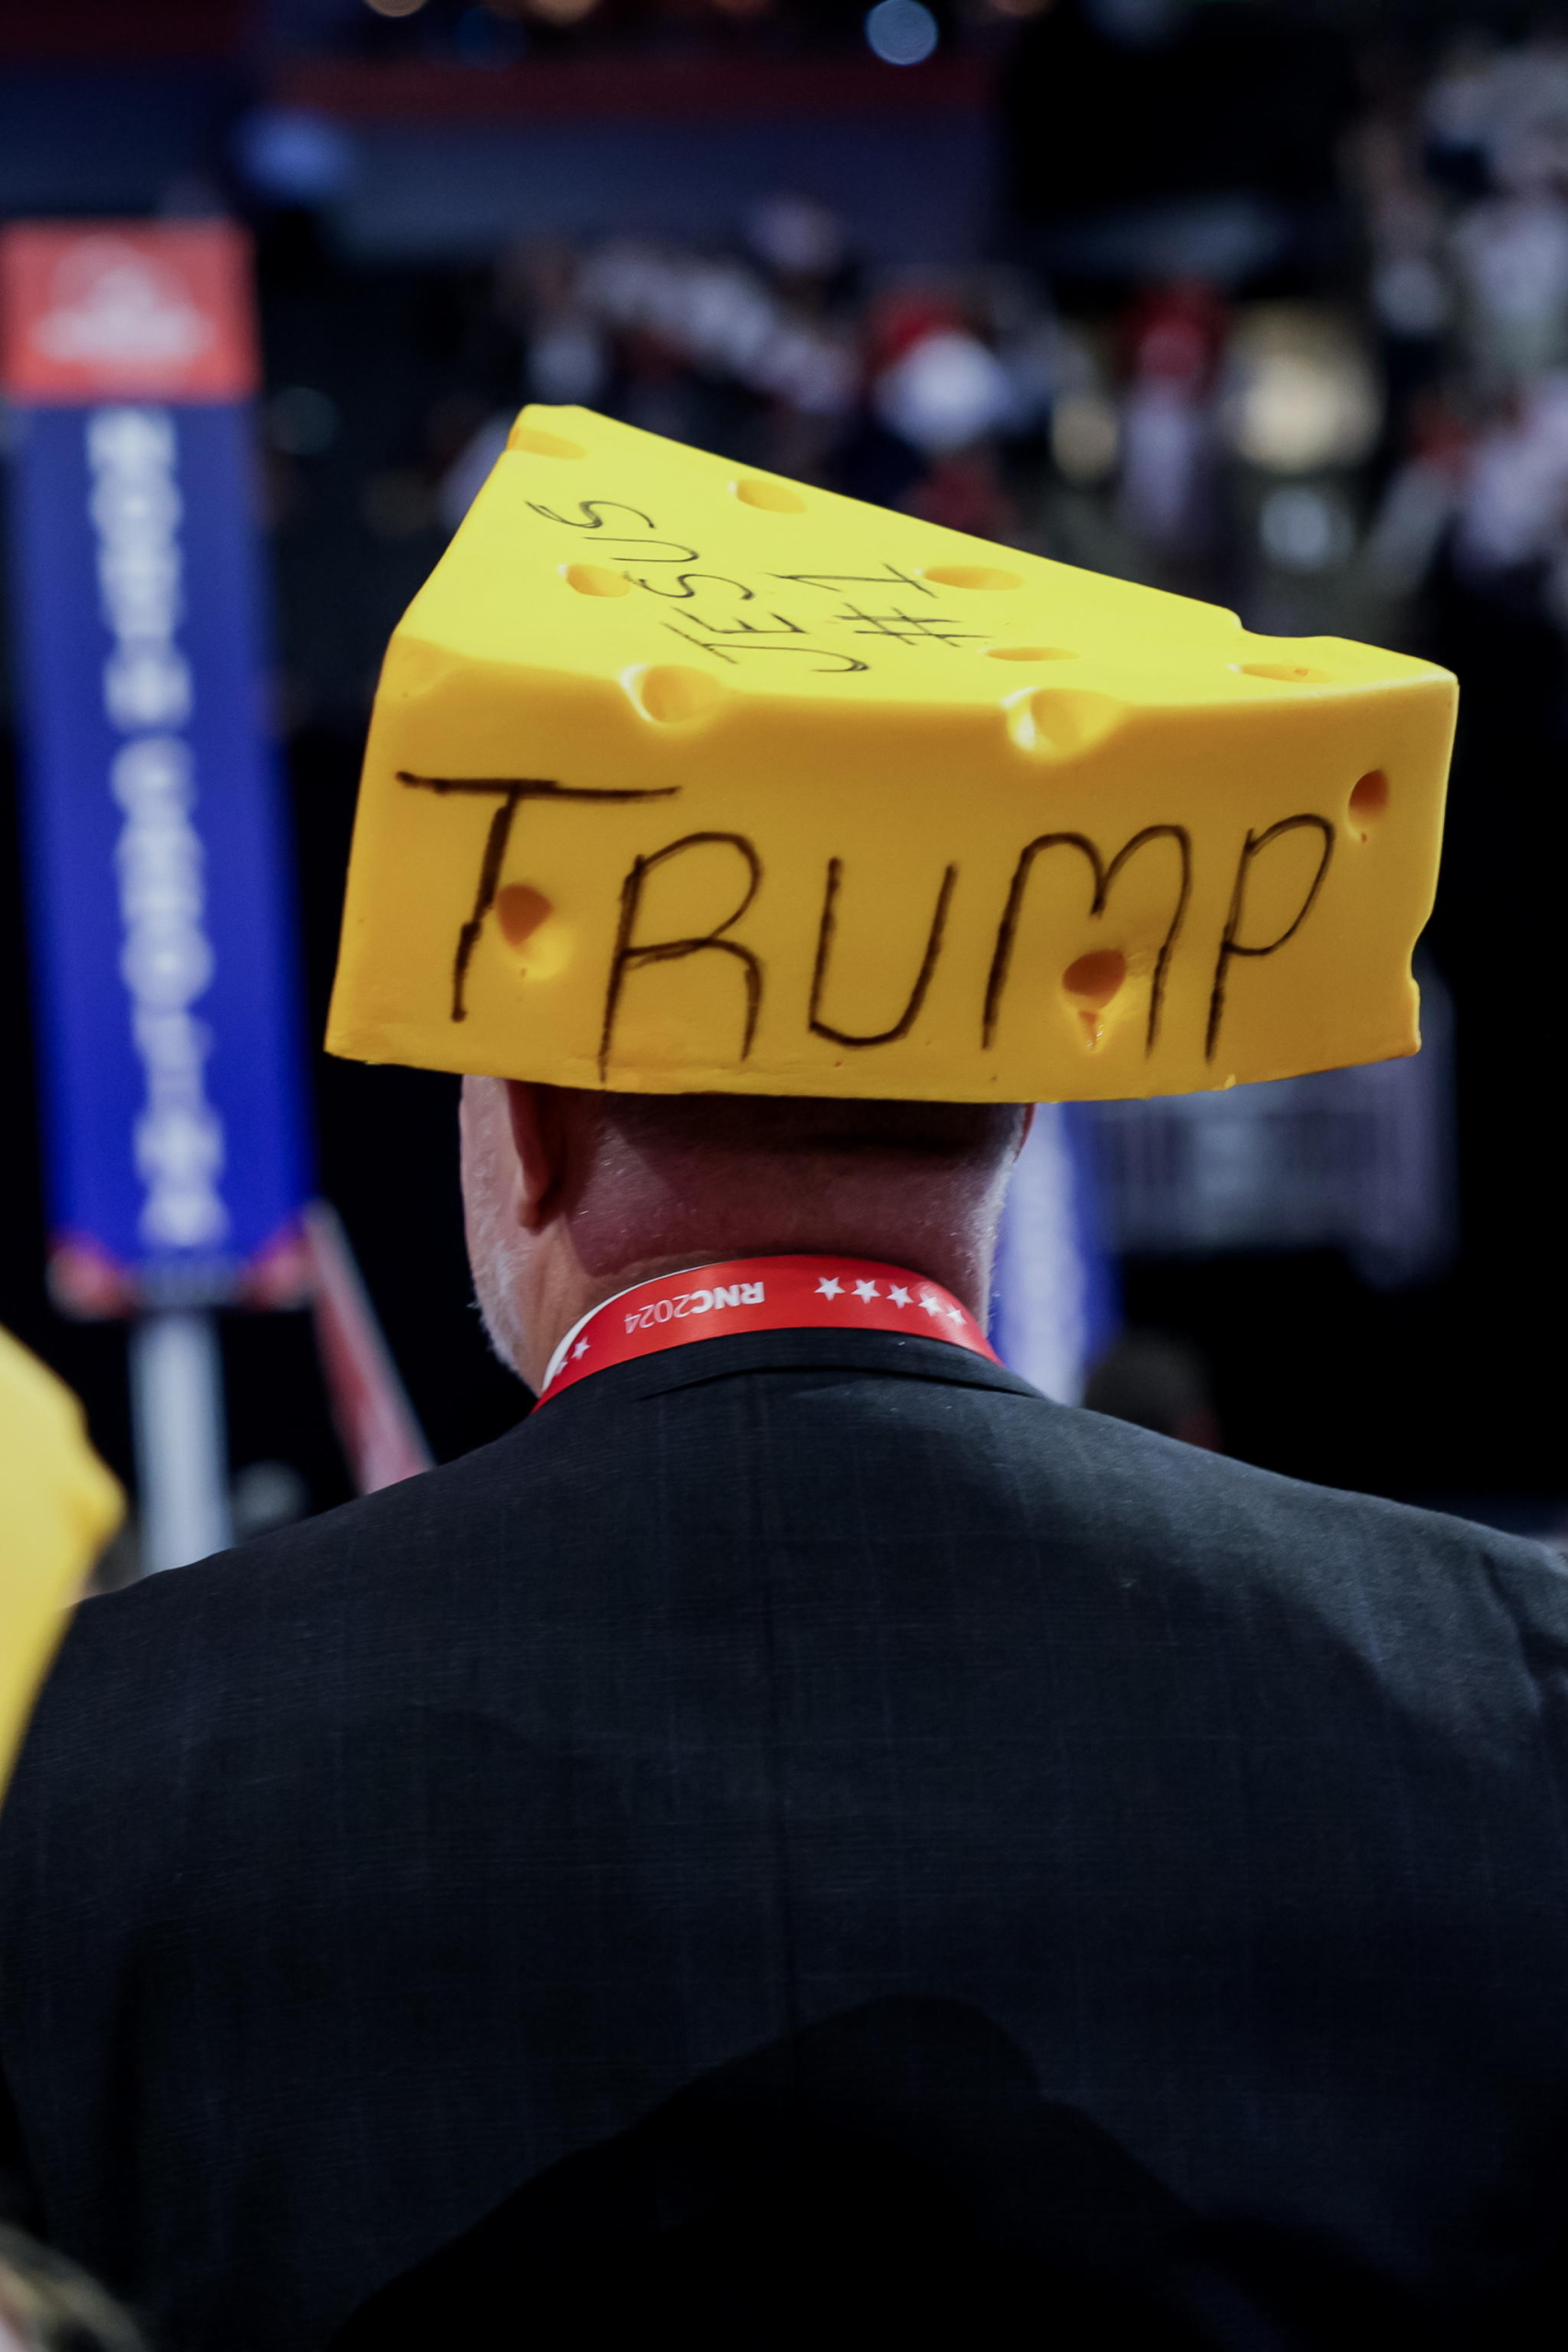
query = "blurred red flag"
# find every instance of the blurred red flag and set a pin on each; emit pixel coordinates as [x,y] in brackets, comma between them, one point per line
[371,1410]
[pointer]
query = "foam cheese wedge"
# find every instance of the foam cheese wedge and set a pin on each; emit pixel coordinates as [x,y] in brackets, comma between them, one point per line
[58,1506]
[685,777]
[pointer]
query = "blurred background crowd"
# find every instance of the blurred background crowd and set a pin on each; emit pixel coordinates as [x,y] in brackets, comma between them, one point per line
[1263,300]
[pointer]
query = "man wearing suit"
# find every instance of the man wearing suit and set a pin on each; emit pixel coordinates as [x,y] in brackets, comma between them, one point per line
[803,1837]
[820,1683]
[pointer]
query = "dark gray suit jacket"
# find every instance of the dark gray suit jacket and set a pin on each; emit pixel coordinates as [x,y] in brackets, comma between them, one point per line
[806,1694]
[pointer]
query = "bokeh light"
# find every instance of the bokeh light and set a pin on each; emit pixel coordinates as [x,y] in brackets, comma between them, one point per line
[1303,393]
[901,32]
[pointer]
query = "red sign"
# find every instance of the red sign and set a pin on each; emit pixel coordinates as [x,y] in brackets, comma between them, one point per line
[380,1436]
[126,310]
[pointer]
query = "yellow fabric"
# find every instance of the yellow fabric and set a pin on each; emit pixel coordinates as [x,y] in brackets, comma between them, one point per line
[58,1506]
[683,777]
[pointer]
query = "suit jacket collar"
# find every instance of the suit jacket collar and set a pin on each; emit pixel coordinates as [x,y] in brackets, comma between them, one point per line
[698,1362]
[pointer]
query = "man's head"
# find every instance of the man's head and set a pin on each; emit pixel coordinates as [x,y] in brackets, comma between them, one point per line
[570,1196]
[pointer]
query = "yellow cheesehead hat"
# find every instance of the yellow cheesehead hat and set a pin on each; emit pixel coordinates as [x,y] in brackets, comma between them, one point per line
[58,1506]
[686,778]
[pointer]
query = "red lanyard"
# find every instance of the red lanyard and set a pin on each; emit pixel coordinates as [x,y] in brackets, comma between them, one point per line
[760,1295]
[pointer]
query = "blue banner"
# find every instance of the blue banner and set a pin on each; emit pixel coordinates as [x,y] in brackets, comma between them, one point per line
[1054,1304]
[162,919]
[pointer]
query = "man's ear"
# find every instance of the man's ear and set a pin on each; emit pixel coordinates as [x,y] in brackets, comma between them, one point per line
[538,1138]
